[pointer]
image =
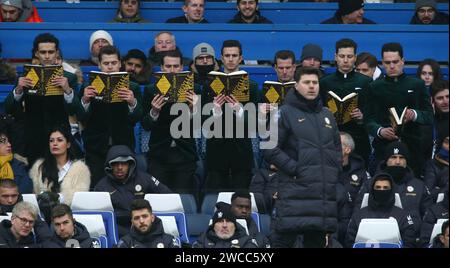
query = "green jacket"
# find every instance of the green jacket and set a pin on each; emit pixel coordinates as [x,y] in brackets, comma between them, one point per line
[160,139]
[398,92]
[109,124]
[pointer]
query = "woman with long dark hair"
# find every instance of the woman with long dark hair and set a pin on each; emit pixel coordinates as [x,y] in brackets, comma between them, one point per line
[429,71]
[59,171]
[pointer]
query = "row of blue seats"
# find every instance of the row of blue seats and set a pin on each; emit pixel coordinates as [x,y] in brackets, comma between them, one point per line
[259,42]
[308,13]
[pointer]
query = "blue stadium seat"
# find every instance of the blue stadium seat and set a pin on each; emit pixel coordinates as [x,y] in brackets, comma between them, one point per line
[181,223]
[189,203]
[376,233]
[209,204]
[264,221]
[95,226]
[196,224]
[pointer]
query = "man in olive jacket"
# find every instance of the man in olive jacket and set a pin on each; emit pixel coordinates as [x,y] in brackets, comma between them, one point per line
[308,156]
[401,92]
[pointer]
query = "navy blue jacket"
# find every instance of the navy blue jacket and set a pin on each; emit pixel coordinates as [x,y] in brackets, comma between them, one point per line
[21,177]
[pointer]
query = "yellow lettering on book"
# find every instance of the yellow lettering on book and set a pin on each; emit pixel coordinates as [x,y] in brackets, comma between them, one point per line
[51,89]
[272,95]
[217,86]
[163,85]
[241,91]
[98,84]
[33,76]
[123,83]
[185,86]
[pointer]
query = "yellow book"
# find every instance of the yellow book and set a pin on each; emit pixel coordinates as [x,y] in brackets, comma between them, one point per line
[342,107]
[174,85]
[107,85]
[42,77]
[396,119]
[275,92]
[236,83]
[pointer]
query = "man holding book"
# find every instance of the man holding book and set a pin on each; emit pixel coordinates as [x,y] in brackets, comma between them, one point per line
[30,103]
[171,160]
[229,161]
[109,109]
[349,114]
[409,98]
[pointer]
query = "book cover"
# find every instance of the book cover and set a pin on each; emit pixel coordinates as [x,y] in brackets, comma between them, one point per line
[236,83]
[275,92]
[174,85]
[108,84]
[396,119]
[42,77]
[342,107]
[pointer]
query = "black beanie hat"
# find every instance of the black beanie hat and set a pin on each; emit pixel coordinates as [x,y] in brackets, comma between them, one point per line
[311,51]
[224,214]
[396,147]
[348,6]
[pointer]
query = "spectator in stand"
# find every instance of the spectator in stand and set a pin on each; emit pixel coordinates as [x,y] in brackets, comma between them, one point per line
[312,55]
[18,11]
[442,240]
[97,40]
[436,170]
[248,13]
[439,98]
[204,61]
[380,206]
[264,186]
[367,64]
[193,12]
[135,63]
[8,73]
[59,171]
[435,212]
[427,13]
[41,113]
[126,182]
[147,230]
[13,168]
[429,71]
[128,12]
[164,41]
[349,12]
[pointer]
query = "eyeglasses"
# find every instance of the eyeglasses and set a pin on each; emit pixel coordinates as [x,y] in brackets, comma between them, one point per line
[24,221]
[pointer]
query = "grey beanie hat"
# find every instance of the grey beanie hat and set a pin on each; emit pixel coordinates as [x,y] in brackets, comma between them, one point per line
[311,51]
[426,3]
[13,3]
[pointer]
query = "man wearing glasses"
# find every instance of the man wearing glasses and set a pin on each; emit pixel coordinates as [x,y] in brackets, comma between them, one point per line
[17,232]
[427,13]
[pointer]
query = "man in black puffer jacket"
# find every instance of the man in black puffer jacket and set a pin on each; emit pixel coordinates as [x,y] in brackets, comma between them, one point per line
[147,230]
[224,232]
[381,205]
[308,156]
[66,229]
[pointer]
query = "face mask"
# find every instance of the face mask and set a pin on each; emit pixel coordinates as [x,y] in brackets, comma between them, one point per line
[397,172]
[443,154]
[203,70]
[382,196]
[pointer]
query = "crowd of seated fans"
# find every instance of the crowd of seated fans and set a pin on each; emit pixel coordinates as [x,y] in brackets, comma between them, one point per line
[74,142]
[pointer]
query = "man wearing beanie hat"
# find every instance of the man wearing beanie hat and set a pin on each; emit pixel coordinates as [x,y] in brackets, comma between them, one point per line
[203,62]
[312,58]
[346,81]
[224,232]
[414,195]
[426,12]
[135,63]
[349,12]
[18,11]
[97,40]
[193,12]
[248,13]
[381,205]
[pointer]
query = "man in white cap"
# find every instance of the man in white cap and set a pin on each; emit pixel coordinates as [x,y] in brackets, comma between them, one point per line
[203,62]
[18,11]
[97,40]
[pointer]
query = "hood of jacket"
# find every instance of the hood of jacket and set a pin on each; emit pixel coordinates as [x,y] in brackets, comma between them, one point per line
[296,100]
[120,151]
[27,9]
[155,231]
[372,202]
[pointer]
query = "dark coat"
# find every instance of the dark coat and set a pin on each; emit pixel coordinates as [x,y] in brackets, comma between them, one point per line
[135,186]
[375,211]
[264,185]
[209,239]
[440,18]
[81,235]
[354,175]
[261,239]
[435,176]
[21,177]
[435,212]
[183,19]
[7,239]
[155,238]
[258,19]
[336,19]
[308,156]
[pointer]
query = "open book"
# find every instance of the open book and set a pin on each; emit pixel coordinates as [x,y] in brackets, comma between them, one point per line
[236,83]
[396,120]
[108,85]
[342,107]
[42,77]
[274,92]
[174,85]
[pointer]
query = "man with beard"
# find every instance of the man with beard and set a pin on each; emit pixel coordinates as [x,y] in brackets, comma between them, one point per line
[135,63]
[204,61]
[427,13]
[147,230]
[193,12]
[224,232]
[349,12]
[413,193]
[381,206]
[65,228]
[97,40]
[248,13]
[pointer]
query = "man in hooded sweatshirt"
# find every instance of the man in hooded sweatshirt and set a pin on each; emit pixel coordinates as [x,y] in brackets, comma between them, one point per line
[147,229]
[126,183]
[66,229]
[18,11]
[381,206]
